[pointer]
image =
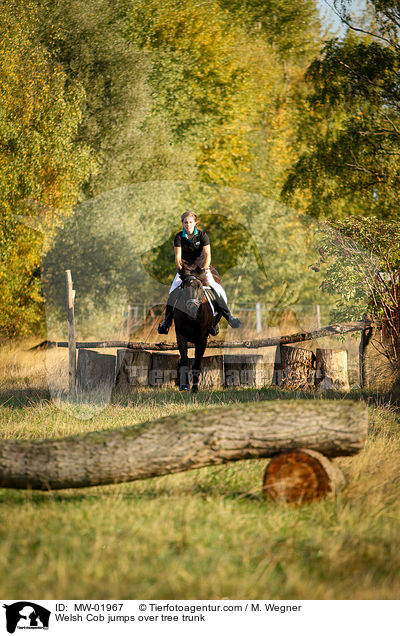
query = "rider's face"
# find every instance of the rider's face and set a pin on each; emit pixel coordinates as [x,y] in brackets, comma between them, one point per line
[189,224]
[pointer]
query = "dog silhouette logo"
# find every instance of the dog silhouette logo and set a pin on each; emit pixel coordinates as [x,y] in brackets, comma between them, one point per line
[26,615]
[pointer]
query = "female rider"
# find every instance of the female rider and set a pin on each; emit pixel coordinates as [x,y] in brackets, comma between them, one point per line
[192,248]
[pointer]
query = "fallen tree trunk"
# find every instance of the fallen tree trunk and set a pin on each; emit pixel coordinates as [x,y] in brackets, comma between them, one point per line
[331,330]
[184,442]
[301,476]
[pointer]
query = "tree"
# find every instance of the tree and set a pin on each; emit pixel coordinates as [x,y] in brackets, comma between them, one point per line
[351,130]
[132,141]
[39,116]
[292,26]
[360,260]
[209,76]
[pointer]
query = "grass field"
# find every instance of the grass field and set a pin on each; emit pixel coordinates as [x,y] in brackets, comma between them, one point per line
[208,533]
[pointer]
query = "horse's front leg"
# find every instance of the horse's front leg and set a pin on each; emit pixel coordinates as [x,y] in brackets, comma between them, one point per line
[183,365]
[200,348]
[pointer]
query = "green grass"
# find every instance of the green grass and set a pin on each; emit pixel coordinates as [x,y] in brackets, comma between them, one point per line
[207,533]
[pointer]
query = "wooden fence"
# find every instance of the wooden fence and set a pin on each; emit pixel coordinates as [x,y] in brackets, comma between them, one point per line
[142,363]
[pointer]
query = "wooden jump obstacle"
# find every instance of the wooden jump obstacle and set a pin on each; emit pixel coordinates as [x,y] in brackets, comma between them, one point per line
[294,368]
[143,363]
[300,435]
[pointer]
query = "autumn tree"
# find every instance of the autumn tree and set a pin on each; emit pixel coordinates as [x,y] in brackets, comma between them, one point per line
[292,27]
[209,76]
[131,139]
[351,129]
[39,117]
[359,259]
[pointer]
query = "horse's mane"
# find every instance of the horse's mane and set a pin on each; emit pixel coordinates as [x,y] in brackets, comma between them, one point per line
[197,271]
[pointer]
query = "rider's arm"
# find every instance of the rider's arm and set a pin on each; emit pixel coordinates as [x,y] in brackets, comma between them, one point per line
[207,252]
[178,257]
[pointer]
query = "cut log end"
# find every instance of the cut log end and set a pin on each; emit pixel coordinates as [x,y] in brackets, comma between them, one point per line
[301,476]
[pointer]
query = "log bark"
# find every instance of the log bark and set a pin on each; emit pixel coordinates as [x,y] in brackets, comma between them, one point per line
[244,370]
[133,368]
[331,330]
[212,375]
[301,476]
[183,442]
[95,370]
[332,371]
[294,368]
[164,369]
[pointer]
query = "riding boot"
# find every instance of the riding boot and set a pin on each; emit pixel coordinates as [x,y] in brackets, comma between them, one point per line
[224,309]
[164,326]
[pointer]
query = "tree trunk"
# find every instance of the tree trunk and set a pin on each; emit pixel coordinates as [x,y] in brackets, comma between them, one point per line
[133,368]
[244,370]
[212,375]
[183,442]
[330,330]
[300,476]
[294,368]
[164,369]
[332,370]
[95,370]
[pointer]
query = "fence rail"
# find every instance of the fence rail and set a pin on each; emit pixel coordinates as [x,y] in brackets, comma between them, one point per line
[302,336]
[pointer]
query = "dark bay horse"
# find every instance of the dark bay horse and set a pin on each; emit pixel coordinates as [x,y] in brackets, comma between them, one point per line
[194,320]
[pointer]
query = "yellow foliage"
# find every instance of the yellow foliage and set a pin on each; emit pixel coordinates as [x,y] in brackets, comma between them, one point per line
[39,118]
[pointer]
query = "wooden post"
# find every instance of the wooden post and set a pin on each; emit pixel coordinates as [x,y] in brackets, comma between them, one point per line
[258,317]
[318,316]
[71,335]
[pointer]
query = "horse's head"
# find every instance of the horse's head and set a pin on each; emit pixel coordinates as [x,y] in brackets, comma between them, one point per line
[192,294]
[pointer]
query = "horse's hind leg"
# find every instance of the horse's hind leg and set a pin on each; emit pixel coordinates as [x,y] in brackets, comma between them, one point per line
[200,348]
[183,366]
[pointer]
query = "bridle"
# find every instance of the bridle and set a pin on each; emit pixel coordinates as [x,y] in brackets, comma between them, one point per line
[193,301]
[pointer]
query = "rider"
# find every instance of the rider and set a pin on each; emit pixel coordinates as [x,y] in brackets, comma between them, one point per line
[192,248]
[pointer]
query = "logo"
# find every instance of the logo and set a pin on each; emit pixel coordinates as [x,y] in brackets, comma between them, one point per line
[26,615]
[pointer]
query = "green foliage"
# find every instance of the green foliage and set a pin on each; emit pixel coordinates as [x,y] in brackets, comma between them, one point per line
[209,76]
[291,26]
[158,91]
[39,116]
[132,141]
[352,124]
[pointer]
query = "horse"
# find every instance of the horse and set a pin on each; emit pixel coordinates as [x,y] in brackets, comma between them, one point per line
[194,320]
